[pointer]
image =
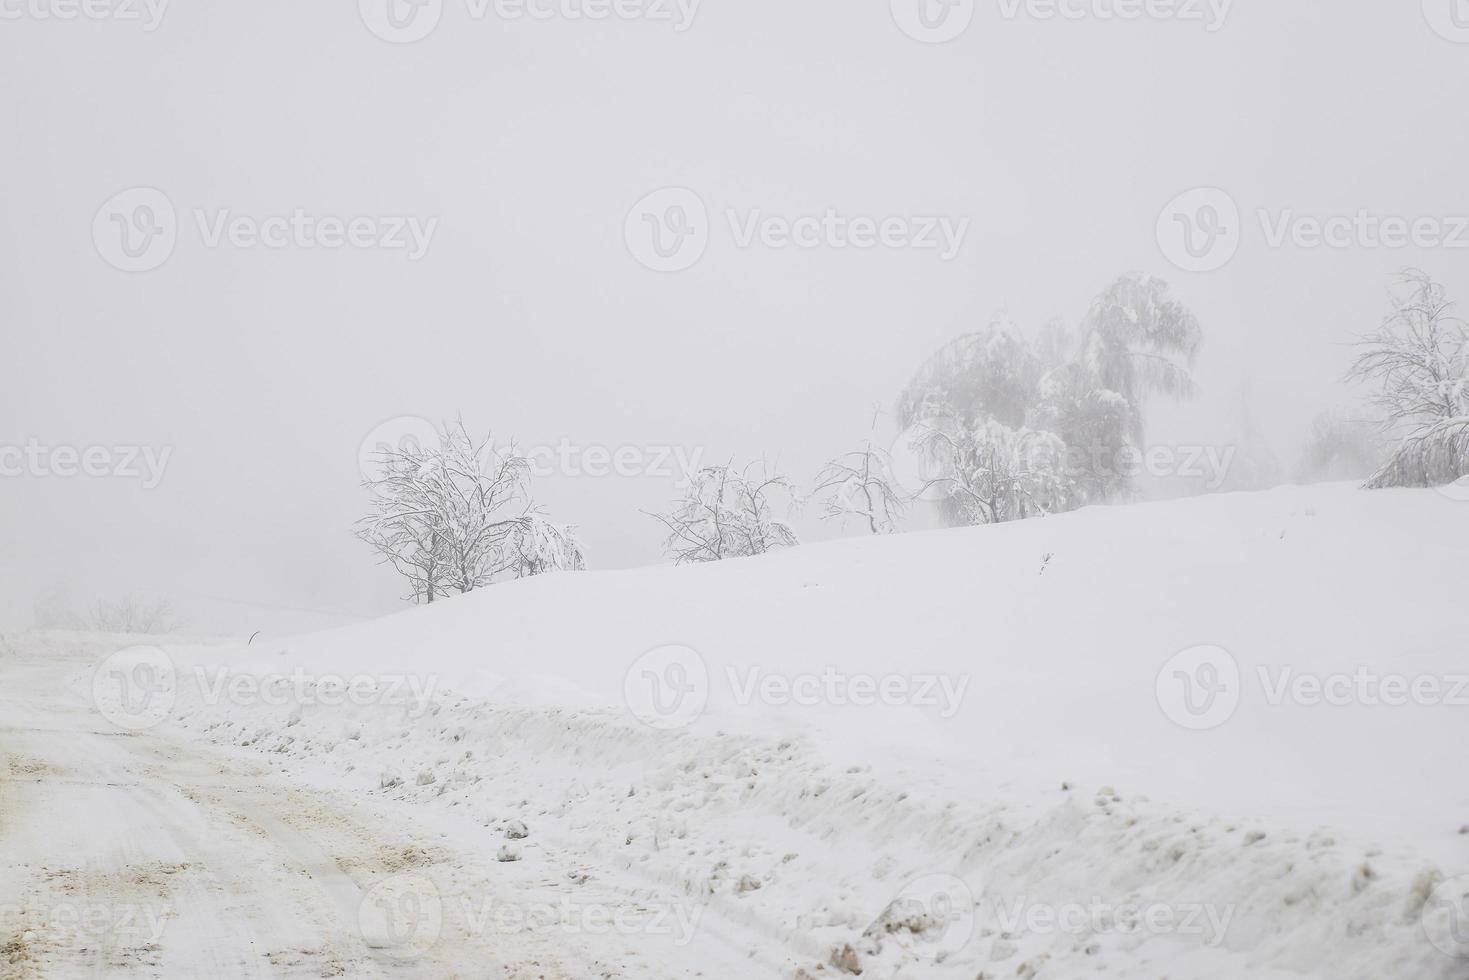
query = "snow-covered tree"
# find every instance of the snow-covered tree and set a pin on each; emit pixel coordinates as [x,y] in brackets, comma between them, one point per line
[860,485]
[990,373]
[1089,390]
[540,546]
[1093,423]
[132,614]
[727,513]
[996,474]
[1138,341]
[1419,361]
[457,515]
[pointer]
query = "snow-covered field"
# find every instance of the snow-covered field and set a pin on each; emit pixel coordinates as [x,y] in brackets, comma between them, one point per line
[1218,737]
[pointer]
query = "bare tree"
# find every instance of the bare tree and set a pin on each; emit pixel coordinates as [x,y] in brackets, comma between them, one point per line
[449,517]
[992,473]
[1419,359]
[727,513]
[860,484]
[132,614]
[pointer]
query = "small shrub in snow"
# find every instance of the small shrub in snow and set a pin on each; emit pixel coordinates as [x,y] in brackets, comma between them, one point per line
[727,513]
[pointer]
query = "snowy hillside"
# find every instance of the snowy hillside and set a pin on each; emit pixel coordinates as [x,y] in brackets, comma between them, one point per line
[1207,738]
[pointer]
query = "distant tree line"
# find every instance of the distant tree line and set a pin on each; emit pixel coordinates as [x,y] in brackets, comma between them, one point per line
[997,426]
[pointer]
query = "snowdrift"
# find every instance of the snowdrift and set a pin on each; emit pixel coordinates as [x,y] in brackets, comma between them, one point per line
[1193,708]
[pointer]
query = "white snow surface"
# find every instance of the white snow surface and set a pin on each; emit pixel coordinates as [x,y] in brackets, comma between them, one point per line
[1313,833]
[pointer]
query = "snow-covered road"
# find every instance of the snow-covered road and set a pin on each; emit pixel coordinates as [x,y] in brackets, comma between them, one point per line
[140,855]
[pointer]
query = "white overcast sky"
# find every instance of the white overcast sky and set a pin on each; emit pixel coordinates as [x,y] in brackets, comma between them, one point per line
[529,140]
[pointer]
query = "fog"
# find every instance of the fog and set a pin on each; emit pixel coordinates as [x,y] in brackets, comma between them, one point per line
[518,147]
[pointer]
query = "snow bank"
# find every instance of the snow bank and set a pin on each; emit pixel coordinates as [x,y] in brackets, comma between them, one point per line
[1029,668]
